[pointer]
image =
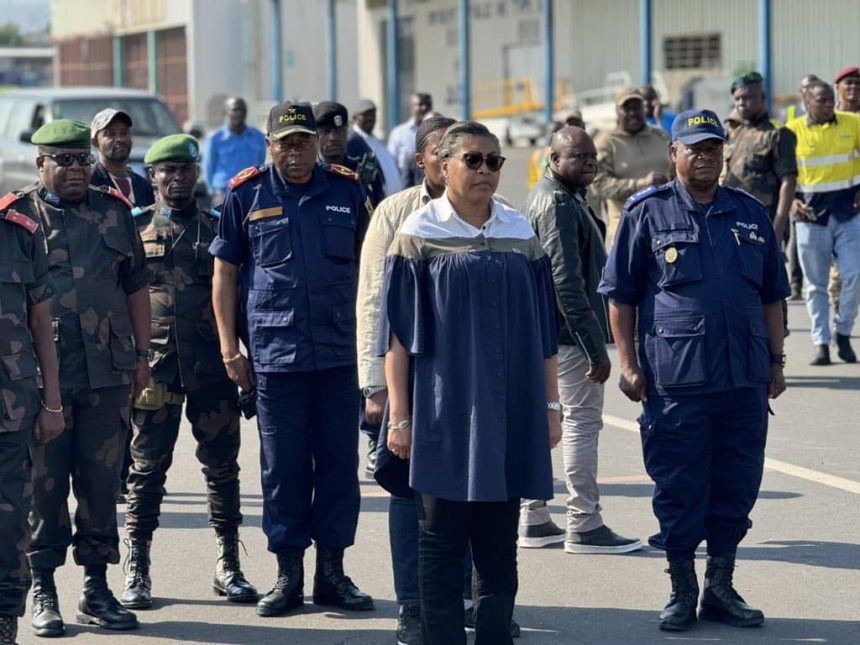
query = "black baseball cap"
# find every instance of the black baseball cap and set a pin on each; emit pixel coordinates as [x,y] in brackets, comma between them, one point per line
[330,113]
[288,118]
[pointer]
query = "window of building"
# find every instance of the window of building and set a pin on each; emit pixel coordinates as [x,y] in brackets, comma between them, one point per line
[692,51]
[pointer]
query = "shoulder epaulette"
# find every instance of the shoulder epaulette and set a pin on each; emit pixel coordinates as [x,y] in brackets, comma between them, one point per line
[8,199]
[113,192]
[343,171]
[243,176]
[28,224]
[635,198]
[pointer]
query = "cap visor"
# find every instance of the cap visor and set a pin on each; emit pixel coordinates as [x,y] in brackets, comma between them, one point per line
[690,139]
[280,134]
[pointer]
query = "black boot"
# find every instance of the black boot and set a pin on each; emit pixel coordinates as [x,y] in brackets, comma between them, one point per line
[288,592]
[98,606]
[844,349]
[333,587]
[138,585]
[720,601]
[229,579]
[47,620]
[8,629]
[822,355]
[680,612]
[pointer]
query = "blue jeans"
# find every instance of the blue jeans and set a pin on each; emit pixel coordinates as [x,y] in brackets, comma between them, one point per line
[403,541]
[817,245]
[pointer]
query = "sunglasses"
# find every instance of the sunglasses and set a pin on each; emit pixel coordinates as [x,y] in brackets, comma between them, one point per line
[474,160]
[65,159]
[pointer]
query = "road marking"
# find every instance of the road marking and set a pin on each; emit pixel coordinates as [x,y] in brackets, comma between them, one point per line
[800,472]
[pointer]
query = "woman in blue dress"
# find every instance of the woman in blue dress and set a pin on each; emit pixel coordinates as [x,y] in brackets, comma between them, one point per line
[471,372]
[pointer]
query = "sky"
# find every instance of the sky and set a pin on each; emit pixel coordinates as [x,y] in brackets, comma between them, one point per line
[29,15]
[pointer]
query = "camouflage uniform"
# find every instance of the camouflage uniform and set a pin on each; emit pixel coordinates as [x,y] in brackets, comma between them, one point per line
[24,282]
[188,364]
[96,261]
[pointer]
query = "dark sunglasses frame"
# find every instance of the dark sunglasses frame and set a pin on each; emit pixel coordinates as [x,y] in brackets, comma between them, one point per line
[66,159]
[474,160]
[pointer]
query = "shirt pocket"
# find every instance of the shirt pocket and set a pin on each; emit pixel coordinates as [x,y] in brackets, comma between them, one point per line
[676,253]
[270,240]
[338,237]
[274,337]
[675,347]
[750,247]
[758,353]
[18,389]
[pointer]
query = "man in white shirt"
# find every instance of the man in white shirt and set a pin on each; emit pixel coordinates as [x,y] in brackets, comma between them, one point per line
[401,141]
[363,122]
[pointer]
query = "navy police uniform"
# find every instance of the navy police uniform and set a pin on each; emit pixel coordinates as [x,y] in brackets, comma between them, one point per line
[698,275]
[297,247]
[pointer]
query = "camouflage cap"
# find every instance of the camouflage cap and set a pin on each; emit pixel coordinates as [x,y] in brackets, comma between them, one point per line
[62,133]
[176,147]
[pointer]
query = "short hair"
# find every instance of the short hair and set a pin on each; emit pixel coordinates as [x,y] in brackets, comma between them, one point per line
[814,85]
[459,131]
[423,97]
[428,127]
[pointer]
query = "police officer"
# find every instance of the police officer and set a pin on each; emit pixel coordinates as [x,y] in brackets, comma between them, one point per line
[285,281]
[186,364]
[333,127]
[701,267]
[25,337]
[100,312]
[759,155]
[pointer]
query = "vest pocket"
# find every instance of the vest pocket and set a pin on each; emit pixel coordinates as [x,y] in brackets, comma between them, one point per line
[270,240]
[676,350]
[274,337]
[677,255]
[338,236]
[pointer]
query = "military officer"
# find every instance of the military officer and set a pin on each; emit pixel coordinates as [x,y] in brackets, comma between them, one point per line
[701,268]
[186,365]
[285,282]
[25,312]
[100,317]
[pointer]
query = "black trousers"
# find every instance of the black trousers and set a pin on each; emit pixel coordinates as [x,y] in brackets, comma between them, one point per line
[448,530]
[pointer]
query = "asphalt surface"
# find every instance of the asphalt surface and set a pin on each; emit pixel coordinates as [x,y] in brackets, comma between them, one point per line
[800,562]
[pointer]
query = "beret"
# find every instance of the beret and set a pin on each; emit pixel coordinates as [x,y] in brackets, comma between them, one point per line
[63,133]
[176,147]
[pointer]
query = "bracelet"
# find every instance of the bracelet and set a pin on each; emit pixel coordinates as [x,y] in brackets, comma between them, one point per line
[52,410]
[227,361]
[402,425]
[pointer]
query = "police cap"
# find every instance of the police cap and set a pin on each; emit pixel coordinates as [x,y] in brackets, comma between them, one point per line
[694,126]
[288,118]
[744,80]
[329,113]
[63,133]
[176,147]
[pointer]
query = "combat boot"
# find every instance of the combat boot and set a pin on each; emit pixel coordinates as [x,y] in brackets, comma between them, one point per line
[138,585]
[229,579]
[680,612]
[98,606]
[844,349]
[8,629]
[289,589]
[333,587]
[47,620]
[720,601]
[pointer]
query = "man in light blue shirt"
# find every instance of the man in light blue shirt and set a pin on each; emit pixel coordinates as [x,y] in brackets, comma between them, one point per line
[401,141]
[231,148]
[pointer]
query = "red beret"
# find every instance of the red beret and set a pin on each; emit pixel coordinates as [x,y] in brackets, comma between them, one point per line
[845,72]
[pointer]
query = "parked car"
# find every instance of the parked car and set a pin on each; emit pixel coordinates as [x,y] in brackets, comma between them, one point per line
[23,111]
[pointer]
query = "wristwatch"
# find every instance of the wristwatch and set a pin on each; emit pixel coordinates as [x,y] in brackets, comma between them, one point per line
[778,359]
[370,390]
[148,354]
[553,405]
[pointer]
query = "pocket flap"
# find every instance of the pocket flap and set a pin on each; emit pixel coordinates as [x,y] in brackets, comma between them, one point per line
[669,238]
[679,327]
[19,366]
[338,218]
[282,318]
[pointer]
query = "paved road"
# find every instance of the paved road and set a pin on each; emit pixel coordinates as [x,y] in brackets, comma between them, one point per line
[800,562]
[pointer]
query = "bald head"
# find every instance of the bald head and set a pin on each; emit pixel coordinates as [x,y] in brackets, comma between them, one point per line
[236,111]
[573,156]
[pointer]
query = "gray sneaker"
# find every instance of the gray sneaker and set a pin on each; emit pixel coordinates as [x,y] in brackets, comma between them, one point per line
[600,540]
[539,535]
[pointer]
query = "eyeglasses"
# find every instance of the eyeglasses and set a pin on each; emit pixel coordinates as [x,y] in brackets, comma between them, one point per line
[474,160]
[65,159]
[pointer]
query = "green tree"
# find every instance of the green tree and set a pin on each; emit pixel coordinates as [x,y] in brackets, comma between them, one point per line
[10,35]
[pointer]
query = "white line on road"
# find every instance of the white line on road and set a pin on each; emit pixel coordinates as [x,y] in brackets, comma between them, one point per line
[780,466]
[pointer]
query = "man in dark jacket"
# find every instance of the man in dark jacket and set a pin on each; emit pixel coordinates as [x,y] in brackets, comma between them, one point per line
[111,134]
[573,237]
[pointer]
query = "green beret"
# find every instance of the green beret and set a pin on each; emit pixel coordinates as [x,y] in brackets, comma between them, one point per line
[63,133]
[176,147]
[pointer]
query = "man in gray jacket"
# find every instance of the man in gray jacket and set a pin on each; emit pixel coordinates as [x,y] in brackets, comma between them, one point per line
[573,237]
